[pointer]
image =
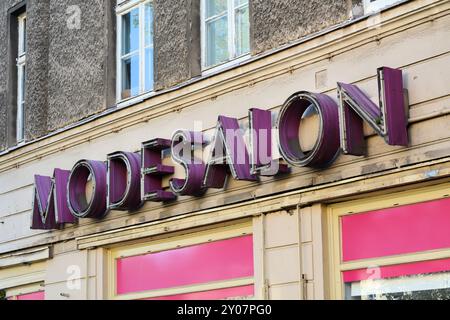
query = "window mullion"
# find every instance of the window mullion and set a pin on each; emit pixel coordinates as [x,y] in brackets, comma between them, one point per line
[141,48]
[231,31]
[203,32]
[21,65]
[119,62]
[19,120]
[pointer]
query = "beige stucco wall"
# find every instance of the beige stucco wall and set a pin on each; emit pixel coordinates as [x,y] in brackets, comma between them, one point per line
[292,264]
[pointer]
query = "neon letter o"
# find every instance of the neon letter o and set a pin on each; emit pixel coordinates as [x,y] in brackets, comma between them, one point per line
[77,200]
[326,147]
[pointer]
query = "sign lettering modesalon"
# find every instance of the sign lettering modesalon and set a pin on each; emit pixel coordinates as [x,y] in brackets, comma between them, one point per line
[127,180]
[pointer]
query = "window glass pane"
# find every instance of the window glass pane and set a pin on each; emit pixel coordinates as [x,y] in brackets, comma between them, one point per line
[215,7]
[21,74]
[217,41]
[417,287]
[130,30]
[149,72]
[148,24]
[239,2]
[130,76]
[24,36]
[242,31]
[24,75]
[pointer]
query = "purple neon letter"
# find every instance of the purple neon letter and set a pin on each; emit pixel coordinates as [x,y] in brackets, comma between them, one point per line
[228,151]
[77,200]
[153,171]
[124,181]
[326,147]
[50,209]
[261,158]
[388,120]
[184,145]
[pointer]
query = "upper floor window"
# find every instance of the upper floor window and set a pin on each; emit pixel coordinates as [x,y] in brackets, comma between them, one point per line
[225,31]
[135,49]
[371,6]
[21,76]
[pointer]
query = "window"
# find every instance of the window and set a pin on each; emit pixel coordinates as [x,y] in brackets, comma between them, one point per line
[135,49]
[429,280]
[215,264]
[393,247]
[26,292]
[21,76]
[371,6]
[225,31]
[34,296]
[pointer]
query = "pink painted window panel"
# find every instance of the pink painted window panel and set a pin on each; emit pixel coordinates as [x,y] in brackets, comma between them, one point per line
[408,269]
[220,294]
[215,261]
[35,296]
[400,230]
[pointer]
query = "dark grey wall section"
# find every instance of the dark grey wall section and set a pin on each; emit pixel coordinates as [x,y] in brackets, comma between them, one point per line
[3,73]
[4,5]
[70,65]
[278,22]
[38,15]
[110,28]
[176,41]
[78,60]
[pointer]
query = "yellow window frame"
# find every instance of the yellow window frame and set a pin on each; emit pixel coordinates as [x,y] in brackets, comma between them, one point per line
[337,266]
[175,242]
[13,293]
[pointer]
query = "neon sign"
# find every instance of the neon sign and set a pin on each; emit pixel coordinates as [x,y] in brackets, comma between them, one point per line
[127,180]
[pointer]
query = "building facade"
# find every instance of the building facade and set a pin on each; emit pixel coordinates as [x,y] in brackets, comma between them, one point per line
[350,198]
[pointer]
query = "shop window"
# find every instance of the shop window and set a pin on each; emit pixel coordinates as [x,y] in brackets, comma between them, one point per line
[225,31]
[394,247]
[202,266]
[135,67]
[371,6]
[429,280]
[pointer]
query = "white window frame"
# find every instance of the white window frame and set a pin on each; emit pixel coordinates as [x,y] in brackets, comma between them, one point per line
[377,5]
[124,7]
[21,73]
[233,58]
